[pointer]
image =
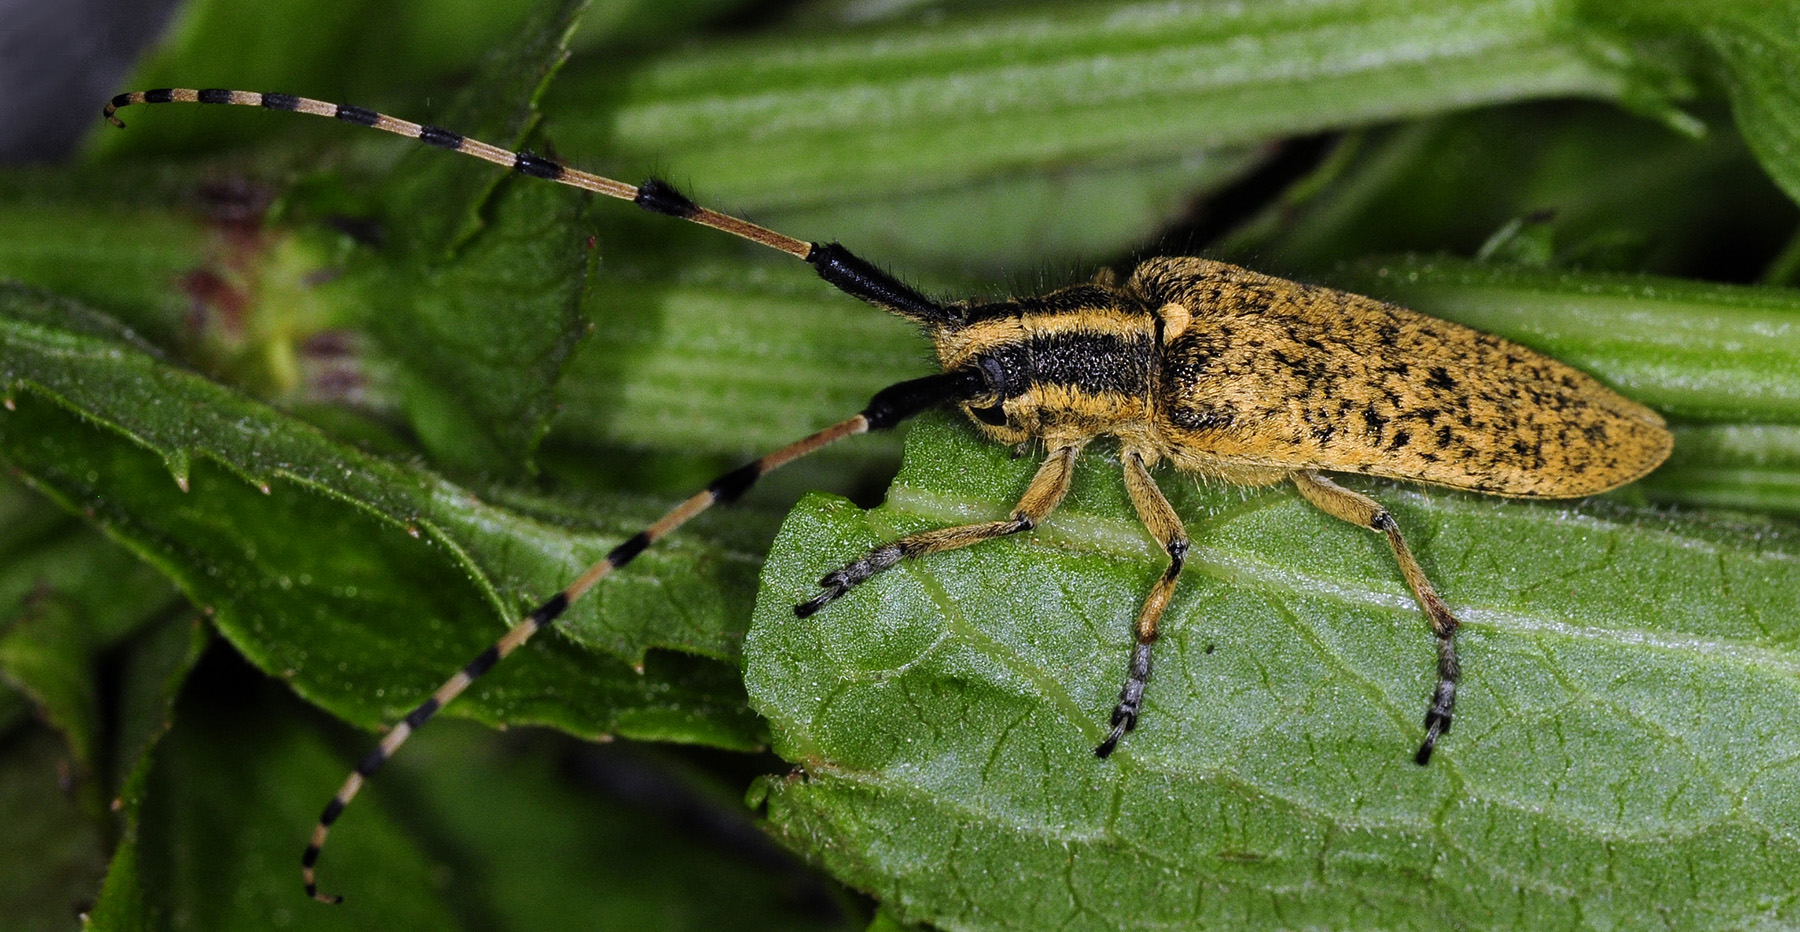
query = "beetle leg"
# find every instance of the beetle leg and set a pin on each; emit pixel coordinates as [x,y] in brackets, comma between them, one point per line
[1361,510]
[1043,495]
[1162,522]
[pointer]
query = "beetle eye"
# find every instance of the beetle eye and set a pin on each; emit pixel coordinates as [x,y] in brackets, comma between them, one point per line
[996,375]
[997,382]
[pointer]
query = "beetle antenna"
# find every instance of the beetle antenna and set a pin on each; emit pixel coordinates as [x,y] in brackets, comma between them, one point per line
[837,265]
[890,406]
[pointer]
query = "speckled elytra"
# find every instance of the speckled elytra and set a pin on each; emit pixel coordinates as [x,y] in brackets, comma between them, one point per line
[1217,370]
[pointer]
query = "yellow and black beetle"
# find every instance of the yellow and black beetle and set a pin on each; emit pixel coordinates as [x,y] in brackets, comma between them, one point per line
[1220,371]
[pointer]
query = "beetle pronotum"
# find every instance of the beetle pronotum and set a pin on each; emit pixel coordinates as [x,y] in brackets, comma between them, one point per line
[1218,370]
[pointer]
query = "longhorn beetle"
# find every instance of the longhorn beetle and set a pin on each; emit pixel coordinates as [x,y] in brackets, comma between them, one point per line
[1218,370]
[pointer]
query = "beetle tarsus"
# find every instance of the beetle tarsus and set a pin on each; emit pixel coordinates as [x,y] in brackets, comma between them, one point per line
[1437,721]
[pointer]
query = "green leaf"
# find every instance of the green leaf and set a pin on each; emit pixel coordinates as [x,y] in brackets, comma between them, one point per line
[64,232]
[1754,48]
[983,227]
[68,598]
[227,497]
[1620,737]
[478,297]
[1759,52]
[223,817]
[55,853]
[153,679]
[863,131]
[66,595]
[884,921]
[724,355]
[1112,112]
[482,341]
[46,655]
[1753,467]
[444,199]
[468,830]
[775,122]
[1613,189]
[358,49]
[534,833]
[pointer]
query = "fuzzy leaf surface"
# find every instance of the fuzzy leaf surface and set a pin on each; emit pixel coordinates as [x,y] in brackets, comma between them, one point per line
[1621,737]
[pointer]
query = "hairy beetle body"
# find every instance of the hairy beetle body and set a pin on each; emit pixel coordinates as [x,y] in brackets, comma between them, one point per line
[1246,377]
